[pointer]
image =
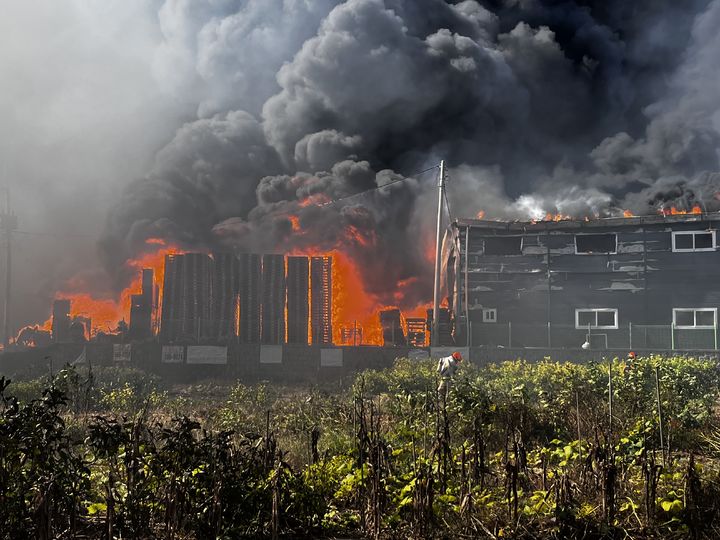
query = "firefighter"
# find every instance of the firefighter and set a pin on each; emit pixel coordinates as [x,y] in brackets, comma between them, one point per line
[446,368]
[629,362]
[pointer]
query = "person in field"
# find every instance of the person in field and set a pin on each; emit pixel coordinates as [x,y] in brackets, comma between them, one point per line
[446,368]
[629,362]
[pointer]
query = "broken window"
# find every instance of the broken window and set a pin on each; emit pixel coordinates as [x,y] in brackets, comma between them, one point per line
[694,317]
[503,245]
[596,318]
[693,241]
[595,243]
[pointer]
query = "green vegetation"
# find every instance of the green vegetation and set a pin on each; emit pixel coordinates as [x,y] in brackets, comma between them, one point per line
[518,450]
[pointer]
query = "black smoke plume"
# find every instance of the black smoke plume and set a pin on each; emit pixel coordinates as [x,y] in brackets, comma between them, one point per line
[578,107]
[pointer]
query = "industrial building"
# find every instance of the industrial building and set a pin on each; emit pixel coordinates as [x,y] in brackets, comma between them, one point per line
[141,308]
[225,291]
[321,300]
[60,326]
[392,328]
[416,331]
[187,292]
[298,295]
[65,328]
[248,298]
[273,299]
[618,283]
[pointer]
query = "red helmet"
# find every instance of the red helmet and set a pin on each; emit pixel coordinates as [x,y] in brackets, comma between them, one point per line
[457,356]
[631,355]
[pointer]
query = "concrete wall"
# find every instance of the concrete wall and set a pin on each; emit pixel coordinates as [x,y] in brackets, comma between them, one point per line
[299,363]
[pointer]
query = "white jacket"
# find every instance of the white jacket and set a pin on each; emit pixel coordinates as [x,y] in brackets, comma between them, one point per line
[447,367]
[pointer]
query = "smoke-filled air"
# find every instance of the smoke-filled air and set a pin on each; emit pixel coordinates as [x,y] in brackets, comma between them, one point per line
[135,129]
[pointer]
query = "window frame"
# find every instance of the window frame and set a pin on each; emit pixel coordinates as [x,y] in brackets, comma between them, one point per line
[595,252]
[522,245]
[486,311]
[695,326]
[578,326]
[693,249]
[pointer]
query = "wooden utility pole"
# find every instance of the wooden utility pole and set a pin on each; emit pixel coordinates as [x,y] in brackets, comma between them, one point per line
[8,224]
[435,330]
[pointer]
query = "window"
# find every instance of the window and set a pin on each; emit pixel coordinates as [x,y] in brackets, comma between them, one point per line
[489,315]
[695,317]
[595,243]
[693,241]
[503,245]
[596,318]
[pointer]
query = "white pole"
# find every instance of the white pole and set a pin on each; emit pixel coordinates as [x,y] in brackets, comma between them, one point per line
[435,333]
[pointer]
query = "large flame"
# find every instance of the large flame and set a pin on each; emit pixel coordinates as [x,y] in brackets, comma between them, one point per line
[352,306]
[673,211]
[555,217]
[107,312]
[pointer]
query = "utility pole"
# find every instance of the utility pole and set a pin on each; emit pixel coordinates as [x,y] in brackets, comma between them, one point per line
[435,330]
[8,224]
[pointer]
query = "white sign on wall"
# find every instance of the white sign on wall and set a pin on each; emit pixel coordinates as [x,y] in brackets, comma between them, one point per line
[206,354]
[331,358]
[173,354]
[271,354]
[122,352]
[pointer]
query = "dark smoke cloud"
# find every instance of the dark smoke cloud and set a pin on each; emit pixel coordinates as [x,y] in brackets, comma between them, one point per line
[578,107]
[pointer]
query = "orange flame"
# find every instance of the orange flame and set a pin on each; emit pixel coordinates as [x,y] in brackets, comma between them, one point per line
[628,213]
[352,305]
[295,221]
[673,211]
[555,217]
[317,199]
[481,214]
[106,313]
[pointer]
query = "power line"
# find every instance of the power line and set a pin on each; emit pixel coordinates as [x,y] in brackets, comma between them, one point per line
[376,188]
[55,235]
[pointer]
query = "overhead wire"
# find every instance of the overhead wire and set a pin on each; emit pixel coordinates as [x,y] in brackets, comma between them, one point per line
[354,195]
[376,188]
[55,235]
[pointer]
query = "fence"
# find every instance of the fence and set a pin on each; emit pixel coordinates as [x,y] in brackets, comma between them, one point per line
[626,337]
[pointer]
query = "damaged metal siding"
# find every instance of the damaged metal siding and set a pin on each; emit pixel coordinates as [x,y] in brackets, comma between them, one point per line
[537,291]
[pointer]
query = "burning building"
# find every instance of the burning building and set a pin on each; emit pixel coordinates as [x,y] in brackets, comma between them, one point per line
[298,296]
[187,292]
[273,299]
[632,282]
[351,335]
[225,291]
[249,297]
[393,333]
[416,331]
[321,300]
[61,321]
[141,308]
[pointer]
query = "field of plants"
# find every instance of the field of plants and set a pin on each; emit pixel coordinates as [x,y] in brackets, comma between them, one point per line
[516,450]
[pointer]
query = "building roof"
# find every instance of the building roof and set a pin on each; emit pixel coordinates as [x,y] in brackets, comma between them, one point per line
[579,224]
